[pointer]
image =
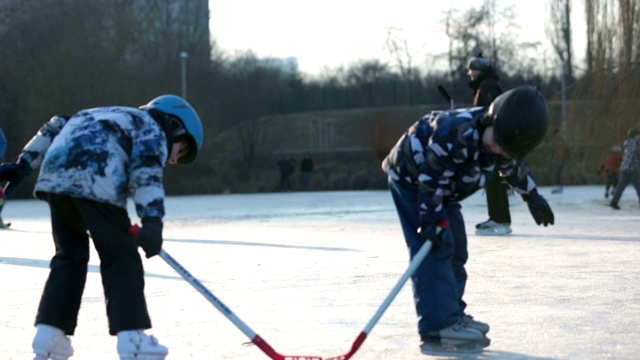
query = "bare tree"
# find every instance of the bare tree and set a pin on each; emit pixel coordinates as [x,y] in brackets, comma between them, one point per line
[398,48]
[488,28]
[559,33]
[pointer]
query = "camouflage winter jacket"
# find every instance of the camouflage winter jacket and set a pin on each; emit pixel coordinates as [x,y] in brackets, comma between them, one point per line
[631,156]
[102,154]
[441,155]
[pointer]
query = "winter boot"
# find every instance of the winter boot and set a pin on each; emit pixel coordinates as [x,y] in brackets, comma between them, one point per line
[51,343]
[471,323]
[454,339]
[4,225]
[136,345]
[491,227]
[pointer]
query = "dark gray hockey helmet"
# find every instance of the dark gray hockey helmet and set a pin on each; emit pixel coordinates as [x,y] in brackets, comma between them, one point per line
[520,119]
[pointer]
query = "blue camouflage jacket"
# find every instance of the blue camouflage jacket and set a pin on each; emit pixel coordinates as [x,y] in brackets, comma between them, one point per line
[631,156]
[102,154]
[442,156]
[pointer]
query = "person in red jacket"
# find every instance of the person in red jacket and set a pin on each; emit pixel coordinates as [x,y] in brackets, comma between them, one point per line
[611,167]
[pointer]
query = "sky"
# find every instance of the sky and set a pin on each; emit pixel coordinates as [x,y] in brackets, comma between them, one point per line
[308,270]
[331,33]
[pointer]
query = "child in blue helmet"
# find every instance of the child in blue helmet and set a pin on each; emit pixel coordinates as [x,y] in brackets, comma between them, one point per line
[442,159]
[89,163]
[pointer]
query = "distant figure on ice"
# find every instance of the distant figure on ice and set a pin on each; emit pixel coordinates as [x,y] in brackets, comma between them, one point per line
[559,157]
[630,167]
[611,168]
[442,159]
[306,169]
[3,150]
[89,163]
[286,168]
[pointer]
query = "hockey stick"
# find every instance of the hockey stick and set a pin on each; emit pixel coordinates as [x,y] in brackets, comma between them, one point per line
[446,96]
[255,338]
[415,262]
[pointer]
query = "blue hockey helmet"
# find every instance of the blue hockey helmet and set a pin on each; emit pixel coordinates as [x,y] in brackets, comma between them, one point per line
[189,119]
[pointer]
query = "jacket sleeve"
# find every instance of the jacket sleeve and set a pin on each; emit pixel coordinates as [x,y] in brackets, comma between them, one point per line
[34,151]
[518,176]
[146,167]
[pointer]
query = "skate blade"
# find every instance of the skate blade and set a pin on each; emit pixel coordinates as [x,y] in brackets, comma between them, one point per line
[485,341]
[450,349]
[51,357]
[494,231]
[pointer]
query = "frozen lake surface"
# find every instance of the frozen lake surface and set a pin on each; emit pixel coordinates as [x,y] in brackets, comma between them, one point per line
[307,271]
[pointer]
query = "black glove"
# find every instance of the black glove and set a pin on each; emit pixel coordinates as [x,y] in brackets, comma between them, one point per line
[437,233]
[150,236]
[539,208]
[14,173]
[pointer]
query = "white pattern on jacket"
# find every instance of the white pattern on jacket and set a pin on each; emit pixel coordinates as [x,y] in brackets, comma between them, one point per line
[102,154]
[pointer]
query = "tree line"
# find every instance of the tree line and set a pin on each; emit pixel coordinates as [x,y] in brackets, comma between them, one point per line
[60,56]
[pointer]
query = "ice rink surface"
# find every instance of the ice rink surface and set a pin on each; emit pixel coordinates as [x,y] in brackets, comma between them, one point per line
[307,271]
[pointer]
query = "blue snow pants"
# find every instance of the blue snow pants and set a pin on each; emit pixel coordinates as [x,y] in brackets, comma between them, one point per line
[439,282]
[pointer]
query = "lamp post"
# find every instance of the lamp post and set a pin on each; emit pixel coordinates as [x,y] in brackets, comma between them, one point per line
[183,60]
[563,103]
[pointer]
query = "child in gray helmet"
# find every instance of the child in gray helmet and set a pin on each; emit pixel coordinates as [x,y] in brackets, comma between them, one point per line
[89,163]
[442,159]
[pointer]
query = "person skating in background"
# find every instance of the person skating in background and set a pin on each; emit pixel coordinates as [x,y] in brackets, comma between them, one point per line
[484,83]
[89,163]
[611,167]
[559,156]
[286,168]
[3,150]
[629,168]
[306,169]
[442,159]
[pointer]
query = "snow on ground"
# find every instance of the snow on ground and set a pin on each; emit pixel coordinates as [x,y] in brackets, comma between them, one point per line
[307,271]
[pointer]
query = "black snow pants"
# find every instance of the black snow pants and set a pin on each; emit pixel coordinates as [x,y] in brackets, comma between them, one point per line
[498,200]
[73,220]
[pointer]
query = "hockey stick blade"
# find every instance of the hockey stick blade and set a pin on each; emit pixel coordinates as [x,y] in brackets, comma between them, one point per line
[218,304]
[418,258]
[445,95]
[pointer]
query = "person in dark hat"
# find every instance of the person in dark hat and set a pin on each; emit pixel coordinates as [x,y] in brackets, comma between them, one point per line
[484,83]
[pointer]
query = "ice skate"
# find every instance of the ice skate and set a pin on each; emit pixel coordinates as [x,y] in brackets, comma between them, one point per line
[4,225]
[50,343]
[456,339]
[491,227]
[136,345]
[614,206]
[557,190]
[469,322]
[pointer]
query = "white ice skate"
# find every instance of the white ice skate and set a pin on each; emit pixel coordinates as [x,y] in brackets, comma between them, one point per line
[51,343]
[456,339]
[492,228]
[136,345]
[483,328]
